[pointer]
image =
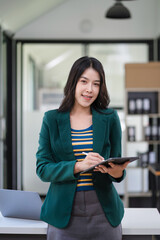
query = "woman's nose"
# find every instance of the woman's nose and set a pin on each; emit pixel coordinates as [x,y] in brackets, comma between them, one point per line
[89,88]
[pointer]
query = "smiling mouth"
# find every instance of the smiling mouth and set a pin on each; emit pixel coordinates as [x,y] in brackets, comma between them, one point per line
[87,97]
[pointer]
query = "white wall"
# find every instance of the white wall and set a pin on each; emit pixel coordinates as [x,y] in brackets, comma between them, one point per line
[85,20]
[158,19]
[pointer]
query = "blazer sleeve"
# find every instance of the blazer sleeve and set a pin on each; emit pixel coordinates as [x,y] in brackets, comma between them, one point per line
[47,168]
[115,139]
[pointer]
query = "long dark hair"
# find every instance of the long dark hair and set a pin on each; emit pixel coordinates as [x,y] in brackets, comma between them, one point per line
[80,65]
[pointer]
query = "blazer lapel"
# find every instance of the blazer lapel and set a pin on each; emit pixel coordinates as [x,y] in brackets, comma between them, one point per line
[65,132]
[99,131]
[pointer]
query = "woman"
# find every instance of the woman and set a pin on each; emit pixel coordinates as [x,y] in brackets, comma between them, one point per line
[81,206]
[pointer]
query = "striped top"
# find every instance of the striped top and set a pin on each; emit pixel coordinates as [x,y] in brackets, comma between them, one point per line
[82,141]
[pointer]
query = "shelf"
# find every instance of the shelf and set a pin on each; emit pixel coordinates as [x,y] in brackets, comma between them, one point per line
[144,141]
[139,194]
[143,115]
[137,167]
[142,95]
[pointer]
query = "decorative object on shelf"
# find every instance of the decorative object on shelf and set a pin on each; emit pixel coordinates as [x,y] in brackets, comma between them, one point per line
[146,105]
[139,105]
[154,129]
[147,133]
[152,157]
[131,134]
[144,159]
[149,157]
[142,102]
[131,106]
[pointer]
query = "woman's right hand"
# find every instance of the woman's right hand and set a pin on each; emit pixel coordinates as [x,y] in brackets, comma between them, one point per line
[90,160]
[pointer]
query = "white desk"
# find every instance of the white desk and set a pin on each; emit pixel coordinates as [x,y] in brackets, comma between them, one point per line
[14,228]
[138,223]
[21,226]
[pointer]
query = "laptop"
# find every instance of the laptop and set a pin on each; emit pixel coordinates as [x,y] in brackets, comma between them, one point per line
[20,204]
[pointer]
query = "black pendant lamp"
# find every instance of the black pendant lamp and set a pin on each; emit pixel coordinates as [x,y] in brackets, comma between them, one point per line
[118,11]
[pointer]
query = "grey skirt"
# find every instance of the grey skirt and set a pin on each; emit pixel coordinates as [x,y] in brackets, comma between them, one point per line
[87,221]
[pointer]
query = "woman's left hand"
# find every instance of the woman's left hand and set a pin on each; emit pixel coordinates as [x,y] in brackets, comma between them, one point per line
[114,170]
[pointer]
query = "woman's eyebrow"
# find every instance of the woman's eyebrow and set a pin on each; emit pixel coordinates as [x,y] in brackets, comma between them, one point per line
[84,77]
[97,80]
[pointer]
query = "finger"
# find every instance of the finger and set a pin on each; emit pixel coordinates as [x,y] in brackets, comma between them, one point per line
[112,165]
[94,159]
[125,164]
[96,155]
[99,159]
[102,168]
[99,170]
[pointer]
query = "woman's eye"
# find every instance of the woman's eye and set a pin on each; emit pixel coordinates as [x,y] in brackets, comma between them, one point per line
[83,81]
[97,84]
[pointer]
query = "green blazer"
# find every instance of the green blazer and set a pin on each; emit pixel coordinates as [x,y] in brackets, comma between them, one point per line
[56,160]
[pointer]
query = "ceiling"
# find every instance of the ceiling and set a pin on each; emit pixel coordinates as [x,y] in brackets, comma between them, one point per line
[78,19]
[75,19]
[15,14]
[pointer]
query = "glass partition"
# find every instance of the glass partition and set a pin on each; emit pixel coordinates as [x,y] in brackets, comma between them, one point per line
[45,71]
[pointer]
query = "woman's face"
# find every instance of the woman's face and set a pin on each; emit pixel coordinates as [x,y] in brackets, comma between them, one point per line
[87,88]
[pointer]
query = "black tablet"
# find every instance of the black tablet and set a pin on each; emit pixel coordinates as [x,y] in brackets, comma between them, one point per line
[117,160]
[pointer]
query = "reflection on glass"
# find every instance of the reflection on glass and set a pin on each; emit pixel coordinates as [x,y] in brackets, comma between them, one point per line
[46,69]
